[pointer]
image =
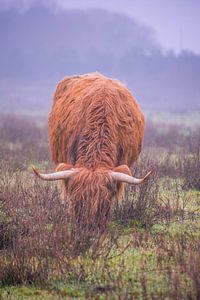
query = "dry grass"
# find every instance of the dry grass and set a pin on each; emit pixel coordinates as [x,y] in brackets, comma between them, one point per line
[150,250]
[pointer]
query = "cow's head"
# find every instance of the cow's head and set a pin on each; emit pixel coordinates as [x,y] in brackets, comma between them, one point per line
[90,192]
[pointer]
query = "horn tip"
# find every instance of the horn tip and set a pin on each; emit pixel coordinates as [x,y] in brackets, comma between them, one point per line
[35,171]
[148,174]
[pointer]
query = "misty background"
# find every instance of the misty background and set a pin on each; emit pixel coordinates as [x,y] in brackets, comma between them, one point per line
[43,41]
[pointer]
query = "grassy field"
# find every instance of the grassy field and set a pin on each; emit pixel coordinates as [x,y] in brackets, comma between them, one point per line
[150,249]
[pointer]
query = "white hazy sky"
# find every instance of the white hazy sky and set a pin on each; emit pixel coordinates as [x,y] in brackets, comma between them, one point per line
[176,22]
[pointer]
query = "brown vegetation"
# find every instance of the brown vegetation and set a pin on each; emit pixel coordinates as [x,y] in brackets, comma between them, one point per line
[41,244]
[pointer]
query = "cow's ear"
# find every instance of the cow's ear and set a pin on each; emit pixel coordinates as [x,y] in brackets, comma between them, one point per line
[123,169]
[63,167]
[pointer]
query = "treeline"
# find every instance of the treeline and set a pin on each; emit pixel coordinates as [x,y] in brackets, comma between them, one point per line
[40,46]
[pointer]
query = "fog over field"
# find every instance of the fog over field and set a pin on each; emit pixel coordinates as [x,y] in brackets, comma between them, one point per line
[41,43]
[68,236]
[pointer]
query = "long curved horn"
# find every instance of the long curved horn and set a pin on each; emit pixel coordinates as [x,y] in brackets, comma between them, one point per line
[127,178]
[56,175]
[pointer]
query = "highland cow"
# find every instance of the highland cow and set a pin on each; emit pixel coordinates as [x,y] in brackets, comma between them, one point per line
[96,130]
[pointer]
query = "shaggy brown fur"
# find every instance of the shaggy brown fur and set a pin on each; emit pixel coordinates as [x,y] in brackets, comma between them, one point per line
[96,125]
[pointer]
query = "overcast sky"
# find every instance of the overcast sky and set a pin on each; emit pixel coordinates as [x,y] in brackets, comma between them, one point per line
[176,22]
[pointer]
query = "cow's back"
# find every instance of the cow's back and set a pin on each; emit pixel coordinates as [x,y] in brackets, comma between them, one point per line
[95,121]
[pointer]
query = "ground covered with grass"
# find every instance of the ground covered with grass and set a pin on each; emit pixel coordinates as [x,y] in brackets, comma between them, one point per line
[150,249]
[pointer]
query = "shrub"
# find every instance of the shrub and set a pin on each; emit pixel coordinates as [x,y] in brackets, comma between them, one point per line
[140,204]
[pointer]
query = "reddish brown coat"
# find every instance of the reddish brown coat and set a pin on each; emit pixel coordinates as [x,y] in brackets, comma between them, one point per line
[95,125]
[95,121]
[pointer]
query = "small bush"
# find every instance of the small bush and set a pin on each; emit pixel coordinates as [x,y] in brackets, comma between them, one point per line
[140,205]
